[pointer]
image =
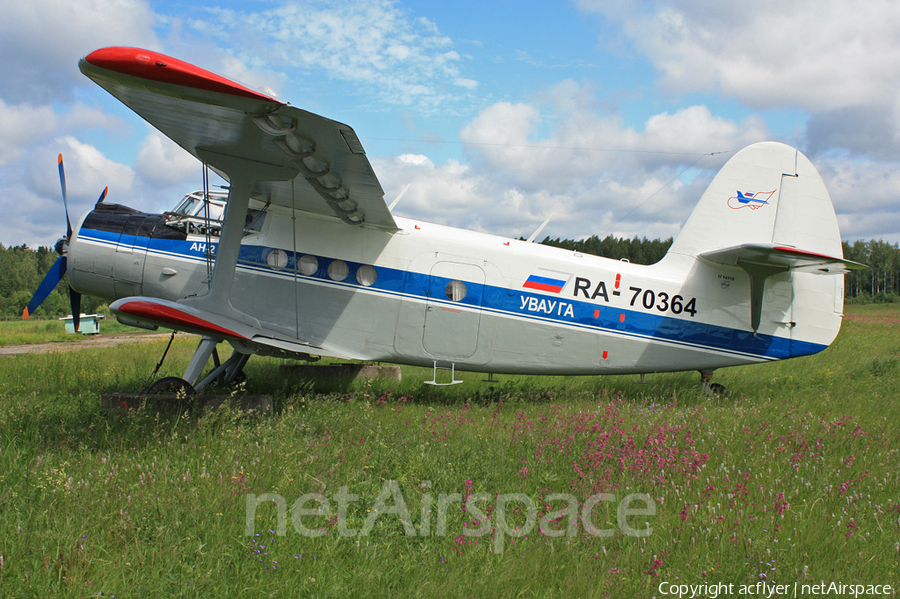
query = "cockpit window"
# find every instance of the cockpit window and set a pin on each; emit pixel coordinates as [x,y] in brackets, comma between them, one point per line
[197,214]
[193,205]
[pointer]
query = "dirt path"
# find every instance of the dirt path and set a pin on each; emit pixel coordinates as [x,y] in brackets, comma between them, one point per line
[88,343]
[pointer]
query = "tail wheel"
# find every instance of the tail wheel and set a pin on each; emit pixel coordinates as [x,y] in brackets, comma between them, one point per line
[717,389]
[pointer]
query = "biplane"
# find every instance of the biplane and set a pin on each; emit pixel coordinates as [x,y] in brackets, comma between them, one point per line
[303,257]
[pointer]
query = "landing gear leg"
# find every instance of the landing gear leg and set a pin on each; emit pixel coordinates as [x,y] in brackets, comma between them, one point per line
[198,361]
[229,371]
[708,386]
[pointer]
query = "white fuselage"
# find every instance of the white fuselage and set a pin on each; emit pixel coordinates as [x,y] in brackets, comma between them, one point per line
[431,294]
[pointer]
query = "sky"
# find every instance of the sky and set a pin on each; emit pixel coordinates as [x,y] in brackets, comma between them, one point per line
[611,115]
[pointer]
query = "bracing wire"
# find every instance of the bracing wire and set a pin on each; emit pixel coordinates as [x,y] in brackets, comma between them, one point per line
[535,146]
[666,184]
[208,223]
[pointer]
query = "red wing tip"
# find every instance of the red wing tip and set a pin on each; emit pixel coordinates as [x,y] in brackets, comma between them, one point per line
[25,314]
[154,66]
[111,56]
[174,317]
[59,159]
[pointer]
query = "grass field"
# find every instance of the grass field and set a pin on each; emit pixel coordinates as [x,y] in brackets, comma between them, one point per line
[792,477]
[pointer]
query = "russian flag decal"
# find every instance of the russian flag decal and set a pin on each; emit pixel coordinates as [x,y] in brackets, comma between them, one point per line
[547,280]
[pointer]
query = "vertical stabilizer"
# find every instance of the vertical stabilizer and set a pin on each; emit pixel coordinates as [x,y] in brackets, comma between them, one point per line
[768,193]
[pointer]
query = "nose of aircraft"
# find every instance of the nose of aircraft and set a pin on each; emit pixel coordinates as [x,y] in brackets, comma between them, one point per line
[56,272]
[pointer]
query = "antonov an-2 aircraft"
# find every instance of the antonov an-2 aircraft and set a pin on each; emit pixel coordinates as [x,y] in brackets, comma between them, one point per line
[303,257]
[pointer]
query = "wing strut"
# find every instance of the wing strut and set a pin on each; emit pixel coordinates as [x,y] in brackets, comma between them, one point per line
[242,175]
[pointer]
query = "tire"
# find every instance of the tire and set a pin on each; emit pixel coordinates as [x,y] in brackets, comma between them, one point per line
[169,385]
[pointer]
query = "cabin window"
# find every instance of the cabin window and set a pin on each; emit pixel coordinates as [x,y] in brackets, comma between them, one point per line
[366,275]
[456,291]
[338,270]
[277,259]
[308,265]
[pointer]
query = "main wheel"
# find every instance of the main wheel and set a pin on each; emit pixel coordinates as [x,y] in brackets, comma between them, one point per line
[170,385]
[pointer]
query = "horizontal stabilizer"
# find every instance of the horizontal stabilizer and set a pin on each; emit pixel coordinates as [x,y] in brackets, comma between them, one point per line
[782,258]
[762,260]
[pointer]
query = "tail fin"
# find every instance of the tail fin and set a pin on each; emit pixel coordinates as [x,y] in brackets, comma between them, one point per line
[768,193]
[768,212]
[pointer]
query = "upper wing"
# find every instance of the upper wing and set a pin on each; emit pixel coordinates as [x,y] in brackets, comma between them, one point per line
[203,112]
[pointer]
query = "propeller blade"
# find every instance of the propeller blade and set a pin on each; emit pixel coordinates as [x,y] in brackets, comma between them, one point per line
[51,280]
[62,184]
[75,299]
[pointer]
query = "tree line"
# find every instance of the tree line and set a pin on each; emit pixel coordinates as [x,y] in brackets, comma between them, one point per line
[21,271]
[639,251]
[23,268]
[881,281]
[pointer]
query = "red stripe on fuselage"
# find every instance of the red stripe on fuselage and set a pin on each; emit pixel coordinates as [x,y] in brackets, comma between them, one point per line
[174,317]
[542,286]
[165,69]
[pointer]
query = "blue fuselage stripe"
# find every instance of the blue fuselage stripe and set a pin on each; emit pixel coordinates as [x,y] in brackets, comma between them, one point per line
[491,299]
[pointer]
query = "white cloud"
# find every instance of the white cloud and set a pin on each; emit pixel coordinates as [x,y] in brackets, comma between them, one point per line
[22,124]
[502,124]
[557,150]
[584,147]
[162,162]
[26,125]
[30,218]
[565,156]
[374,45]
[464,82]
[861,130]
[511,189]
[696,130]
[437,193]
[31,137]
[32,200]
[42,41]
[804,53]
[864,196]
[88,171]
[837,61]
[254,78]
